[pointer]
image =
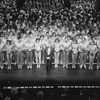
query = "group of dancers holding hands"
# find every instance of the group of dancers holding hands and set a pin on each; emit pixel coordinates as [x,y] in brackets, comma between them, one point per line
[81,49]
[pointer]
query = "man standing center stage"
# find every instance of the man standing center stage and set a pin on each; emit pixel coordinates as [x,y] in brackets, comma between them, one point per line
[49,54]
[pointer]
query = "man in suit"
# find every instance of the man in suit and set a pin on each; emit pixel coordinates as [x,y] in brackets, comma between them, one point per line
[49,54]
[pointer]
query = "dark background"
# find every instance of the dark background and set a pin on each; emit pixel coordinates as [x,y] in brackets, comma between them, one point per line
[97,5]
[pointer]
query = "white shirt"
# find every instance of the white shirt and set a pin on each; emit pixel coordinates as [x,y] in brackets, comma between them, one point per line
[48,51]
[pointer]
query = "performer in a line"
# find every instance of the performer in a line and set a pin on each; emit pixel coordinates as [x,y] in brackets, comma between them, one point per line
[9,47]
[1,53]
[83,53]
[74,48]
[29,56]
[38,52]
[43,45]
[67,47]
[92,52]
[20,56]
[57,52]
[98,52]
[49,54]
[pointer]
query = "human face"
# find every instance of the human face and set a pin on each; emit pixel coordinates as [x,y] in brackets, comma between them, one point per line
[49,44]
[37,41]
[42,38]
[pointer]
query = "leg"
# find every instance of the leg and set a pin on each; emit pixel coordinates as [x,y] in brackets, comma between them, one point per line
[39,57]
[67,58]
[74,57]
[64,59]
[98,59]
[15,54]
[31,58]
[9,57]
[61,57]
[55,53]
[1,60]
[21,60]
[91,61]
[27,59]
[57,58]
[42,56]
[81,60]
[85,59]
[36,56]
[48,66]
[17,58]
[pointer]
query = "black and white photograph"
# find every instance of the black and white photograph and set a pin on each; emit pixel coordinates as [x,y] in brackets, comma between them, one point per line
[49,49]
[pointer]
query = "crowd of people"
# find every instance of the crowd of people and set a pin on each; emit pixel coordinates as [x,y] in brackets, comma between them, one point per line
[72,33]
[50,94]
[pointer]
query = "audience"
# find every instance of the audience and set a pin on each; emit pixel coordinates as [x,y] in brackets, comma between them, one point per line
[52,94]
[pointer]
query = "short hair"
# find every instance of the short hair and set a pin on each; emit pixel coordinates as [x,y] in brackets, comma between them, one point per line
[56,39]
[41,36]
[37,39]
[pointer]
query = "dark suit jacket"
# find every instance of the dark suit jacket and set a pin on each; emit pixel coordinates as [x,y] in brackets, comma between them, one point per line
[51,53]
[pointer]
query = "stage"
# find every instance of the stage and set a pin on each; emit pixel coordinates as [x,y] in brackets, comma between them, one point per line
[58,77]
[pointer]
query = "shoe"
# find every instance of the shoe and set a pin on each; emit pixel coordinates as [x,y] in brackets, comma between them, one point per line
[98,67]
[81,66]
[90,68]
[56,66]
[42,62]
[38,66]
[9,67]
[63,66]
[1,67]
[27,67]
[73,66]
[66,66]
[20,67]
[85,66]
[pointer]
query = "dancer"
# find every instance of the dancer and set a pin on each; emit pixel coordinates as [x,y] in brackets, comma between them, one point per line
[19,44]
[9,47]
[29,47]
[67,47]
[74,48]
[92,52]
[83,53]
[57,52]
[1,53]
[38,52]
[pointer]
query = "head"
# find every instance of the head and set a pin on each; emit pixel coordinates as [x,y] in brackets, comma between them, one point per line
[57,40]
[37,40]
[8,42]
[49,44]
[68,38]
[74,41]
[42,37]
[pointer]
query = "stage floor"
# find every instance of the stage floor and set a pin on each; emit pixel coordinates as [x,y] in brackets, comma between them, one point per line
[58,76]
